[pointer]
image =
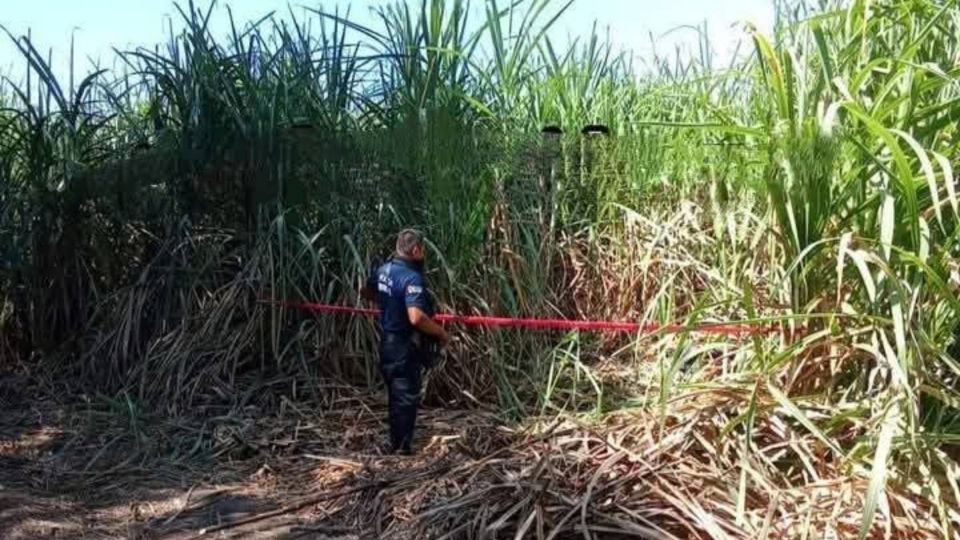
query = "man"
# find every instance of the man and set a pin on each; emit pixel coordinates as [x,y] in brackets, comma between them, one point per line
[399,288]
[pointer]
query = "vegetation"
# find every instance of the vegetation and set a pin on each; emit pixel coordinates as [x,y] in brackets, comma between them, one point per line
[810,185]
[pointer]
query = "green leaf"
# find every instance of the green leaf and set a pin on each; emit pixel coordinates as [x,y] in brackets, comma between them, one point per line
[948,182]
[878,476]
[859,258]
[826,61]
[927,167]
[888,224]
[903,180]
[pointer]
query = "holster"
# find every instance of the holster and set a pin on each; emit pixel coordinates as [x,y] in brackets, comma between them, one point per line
[427,347]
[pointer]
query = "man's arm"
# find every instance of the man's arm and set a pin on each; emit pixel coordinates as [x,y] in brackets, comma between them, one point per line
[421,321]
[415,296]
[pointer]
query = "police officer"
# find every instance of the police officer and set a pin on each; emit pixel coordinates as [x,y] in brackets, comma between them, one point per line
[399,288]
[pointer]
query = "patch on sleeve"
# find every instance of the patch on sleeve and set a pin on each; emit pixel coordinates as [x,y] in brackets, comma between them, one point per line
[414,289]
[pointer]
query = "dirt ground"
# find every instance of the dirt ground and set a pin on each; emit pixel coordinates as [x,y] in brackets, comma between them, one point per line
[76,470]
[309,468]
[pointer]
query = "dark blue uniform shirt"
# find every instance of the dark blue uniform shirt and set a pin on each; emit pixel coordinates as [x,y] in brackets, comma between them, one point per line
[399,284]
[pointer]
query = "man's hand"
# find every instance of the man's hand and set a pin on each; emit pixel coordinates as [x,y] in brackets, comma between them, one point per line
[421,321]
[445,338]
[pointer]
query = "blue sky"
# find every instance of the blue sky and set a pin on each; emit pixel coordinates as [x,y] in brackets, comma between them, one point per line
[99,25]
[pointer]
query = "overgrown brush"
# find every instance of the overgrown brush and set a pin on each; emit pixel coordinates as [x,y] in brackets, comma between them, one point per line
[809,186]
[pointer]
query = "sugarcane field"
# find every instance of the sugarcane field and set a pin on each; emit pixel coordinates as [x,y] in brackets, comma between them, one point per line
[441,269]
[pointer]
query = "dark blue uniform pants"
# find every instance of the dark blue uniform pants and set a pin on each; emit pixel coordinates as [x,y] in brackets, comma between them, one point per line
[400,367]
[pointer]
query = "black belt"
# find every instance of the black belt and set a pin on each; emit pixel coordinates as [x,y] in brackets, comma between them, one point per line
[394,337]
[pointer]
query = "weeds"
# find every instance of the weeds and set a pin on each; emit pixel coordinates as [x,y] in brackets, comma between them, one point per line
[811,184]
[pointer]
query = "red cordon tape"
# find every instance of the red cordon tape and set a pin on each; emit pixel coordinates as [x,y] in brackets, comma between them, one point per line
[546,324]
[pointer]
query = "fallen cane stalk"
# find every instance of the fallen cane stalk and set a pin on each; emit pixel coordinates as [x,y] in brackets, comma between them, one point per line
[186,502]
[295,506]
[328,529]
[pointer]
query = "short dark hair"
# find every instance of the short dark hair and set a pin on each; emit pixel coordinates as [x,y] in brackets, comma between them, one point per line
[408,240]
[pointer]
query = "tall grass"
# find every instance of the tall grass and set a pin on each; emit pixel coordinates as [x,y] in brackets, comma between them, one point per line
[810,186]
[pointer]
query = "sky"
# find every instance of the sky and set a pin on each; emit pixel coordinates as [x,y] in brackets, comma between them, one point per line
[100,25]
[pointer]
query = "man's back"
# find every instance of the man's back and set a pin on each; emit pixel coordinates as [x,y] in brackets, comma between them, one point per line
[399,284]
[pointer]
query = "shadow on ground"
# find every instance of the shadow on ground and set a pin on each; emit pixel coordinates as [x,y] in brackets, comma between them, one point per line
[82,470]
[98,470]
